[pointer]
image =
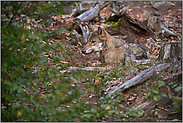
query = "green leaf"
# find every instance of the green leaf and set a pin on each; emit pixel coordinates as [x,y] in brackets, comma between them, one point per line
[161,83]
[23,39]
[156,97]
[110,112]
[149,95]
[155,90]
[134,51]
[163,94]
[156,54]
[159,39]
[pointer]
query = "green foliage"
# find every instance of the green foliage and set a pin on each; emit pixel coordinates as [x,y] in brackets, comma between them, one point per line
[107,107]
[115,25]
[25,69]
[155,93]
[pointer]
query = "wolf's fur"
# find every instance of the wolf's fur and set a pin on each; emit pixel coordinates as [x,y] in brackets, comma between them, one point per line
[112,50]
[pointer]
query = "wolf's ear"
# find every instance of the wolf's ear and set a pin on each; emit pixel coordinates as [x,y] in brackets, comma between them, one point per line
[100,31]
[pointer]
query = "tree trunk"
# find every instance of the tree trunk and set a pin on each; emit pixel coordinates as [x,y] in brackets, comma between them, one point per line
[170,52]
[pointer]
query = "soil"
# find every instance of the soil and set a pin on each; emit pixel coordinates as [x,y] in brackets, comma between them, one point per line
[137,10]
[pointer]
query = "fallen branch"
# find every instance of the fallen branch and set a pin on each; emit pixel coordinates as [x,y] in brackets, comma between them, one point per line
[85,31]
[90,68]
[92,12]
[142,77]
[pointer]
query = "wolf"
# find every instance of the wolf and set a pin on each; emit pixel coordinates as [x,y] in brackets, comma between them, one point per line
[111,50]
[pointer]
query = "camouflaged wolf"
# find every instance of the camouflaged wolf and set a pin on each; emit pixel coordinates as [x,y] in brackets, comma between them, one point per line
[112,50]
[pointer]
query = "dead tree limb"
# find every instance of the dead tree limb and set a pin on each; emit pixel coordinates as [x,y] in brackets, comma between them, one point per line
[85,31]
[92,12]
[90,68]
[142,77]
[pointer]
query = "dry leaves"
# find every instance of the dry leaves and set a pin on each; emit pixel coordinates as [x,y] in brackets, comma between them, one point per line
[131,98]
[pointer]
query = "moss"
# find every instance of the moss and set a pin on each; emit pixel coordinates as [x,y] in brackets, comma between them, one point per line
[114,20]
[115,25]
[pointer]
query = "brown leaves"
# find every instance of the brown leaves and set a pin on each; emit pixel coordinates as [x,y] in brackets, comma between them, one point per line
[131,98]
[145,6]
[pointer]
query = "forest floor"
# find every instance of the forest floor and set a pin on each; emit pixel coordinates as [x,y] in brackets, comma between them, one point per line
[137,10]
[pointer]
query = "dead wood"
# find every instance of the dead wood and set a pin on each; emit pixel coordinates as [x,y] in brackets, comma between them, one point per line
[134,26]
[85,31]
[155,22]
[170,52]
[117,7]
[150,107]
[90,68]
[92,12]
[142,77]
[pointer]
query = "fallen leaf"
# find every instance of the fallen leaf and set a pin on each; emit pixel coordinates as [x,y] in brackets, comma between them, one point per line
[49,83]
[139,97]
[63,71]
[97,82]
[19,113]
[144,2]
[39,20]
[172,4]
[145,6]
[64,62]
[130,10]
[108,107]
[113,81]
[169,92]
[10,48]
[135,95]
[161,108]
[169,11]
[121,112]
[3,107]
[131,98]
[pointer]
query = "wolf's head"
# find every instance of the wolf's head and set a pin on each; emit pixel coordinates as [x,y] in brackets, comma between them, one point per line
[95,42]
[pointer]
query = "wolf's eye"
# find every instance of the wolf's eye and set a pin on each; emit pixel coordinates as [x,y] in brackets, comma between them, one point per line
[93,41]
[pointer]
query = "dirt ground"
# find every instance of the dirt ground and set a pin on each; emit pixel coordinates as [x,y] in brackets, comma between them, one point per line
[137,10]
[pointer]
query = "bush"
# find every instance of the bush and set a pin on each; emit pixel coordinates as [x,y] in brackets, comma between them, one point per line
[25,69]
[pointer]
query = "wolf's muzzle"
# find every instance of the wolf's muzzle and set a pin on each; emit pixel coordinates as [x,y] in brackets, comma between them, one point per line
[86,52]
[83,51]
